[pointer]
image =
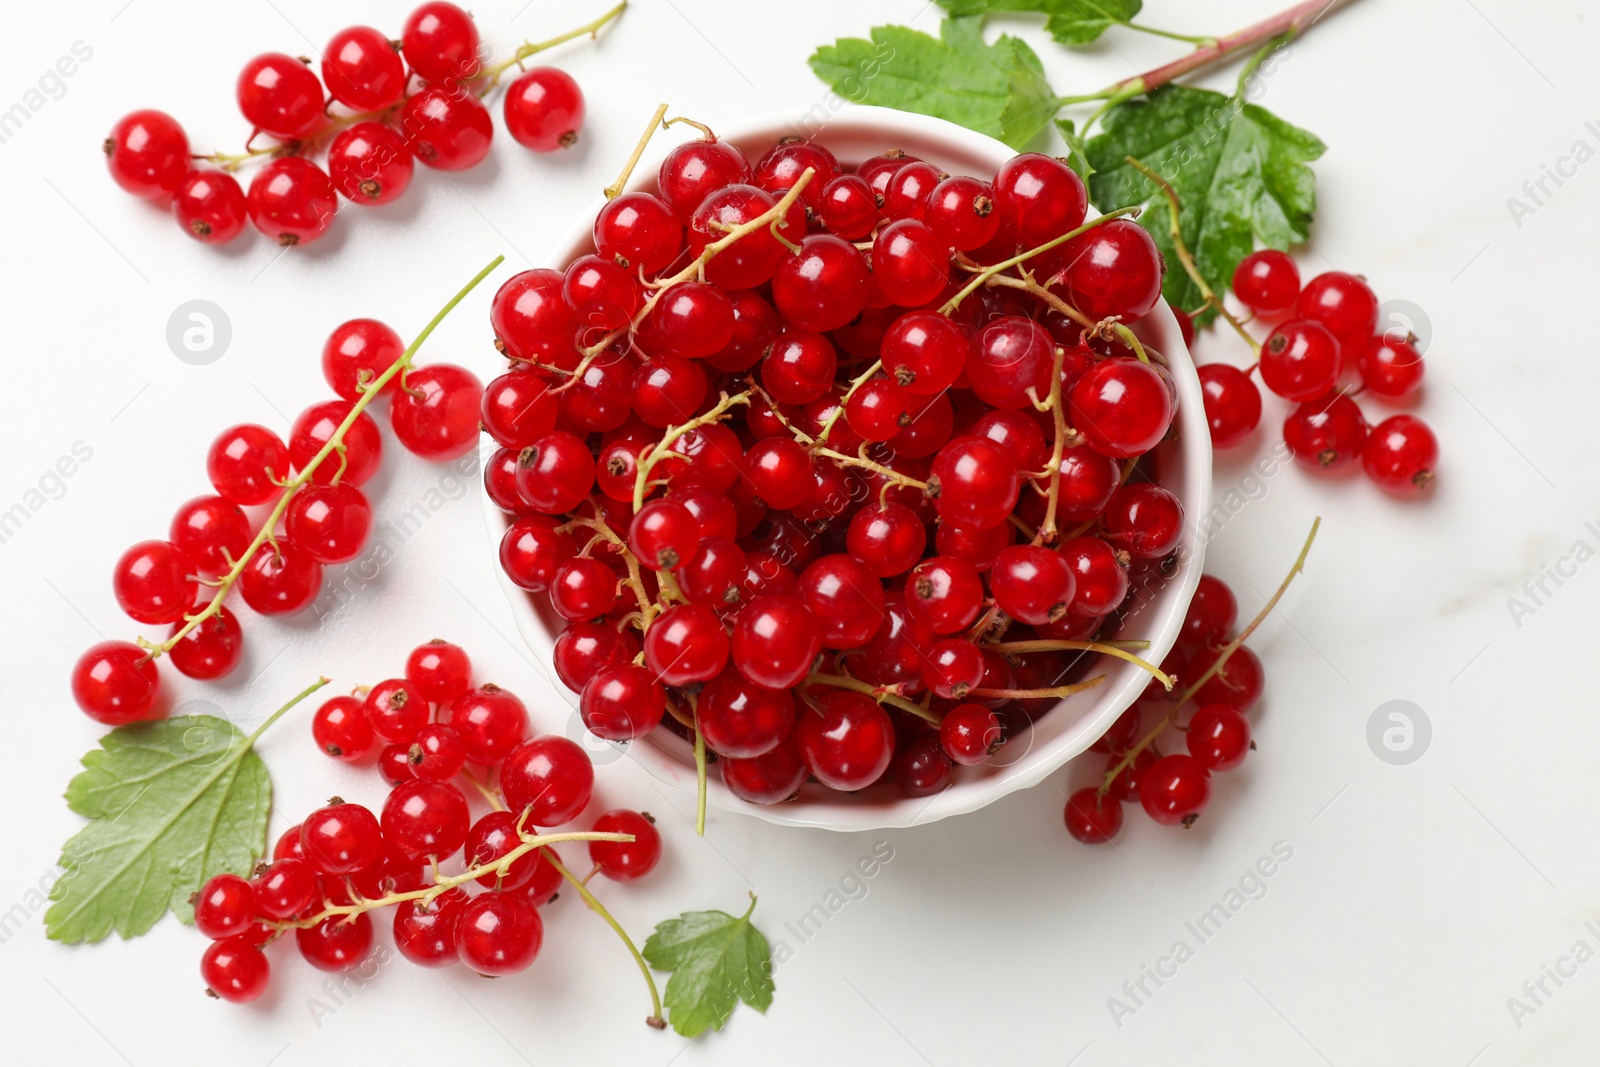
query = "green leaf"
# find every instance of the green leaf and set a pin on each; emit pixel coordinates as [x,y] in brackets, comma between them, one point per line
[998,89]
[1072,22]
[716,961]
[170,804]
[1239,171]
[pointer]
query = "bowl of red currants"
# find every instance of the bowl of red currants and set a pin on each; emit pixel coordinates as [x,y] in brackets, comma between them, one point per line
[847,472]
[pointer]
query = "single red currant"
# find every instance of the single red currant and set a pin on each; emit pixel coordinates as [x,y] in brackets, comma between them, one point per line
[1267,282]
[285,888]
[337,943]
[498,934]
[1326,435]
[154,582]
[363,70]
[1145,519]
[341,838]
[846,739]
[549,777]
[1301,360]
[1092,818]
[1211,614]
[974,483]
[440,41]
[1038,198]
[490,722]
[225,907]
[247,463]
[330,523]
[280,96]
[1219,737]
[147,153]
[694,170]
[1175,790]
[426,819]
[292,200]
[544,109]
[1391,367]
[211,650]
[1232,403]
[1111,270]
[623,701]
[944,593]
[370,164]
[211,533]
[638,232]
[446,129]
[1400,455]
[280,580]
[775,640]
[909,264]
[435,412]
[426,935]
[235,970]
[340,728]
[532,549]
[1032,584]
[210,206]
[1344,304]
[1122,406]
[397,710]
[970,734]
[623,861]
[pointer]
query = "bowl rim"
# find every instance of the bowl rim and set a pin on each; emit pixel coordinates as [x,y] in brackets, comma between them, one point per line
[1039,760]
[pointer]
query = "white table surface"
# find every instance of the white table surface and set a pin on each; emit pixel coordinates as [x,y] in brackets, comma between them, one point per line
[1418,898]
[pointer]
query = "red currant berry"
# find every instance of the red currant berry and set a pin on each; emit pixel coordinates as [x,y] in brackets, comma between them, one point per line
[246,464]
[435,413]
[314,428]
[766,779]
[544,109]
[944,593]
[280,580]
[341,838]
[427,935]
[623,702]
[1267,282]
[397,710]
[1175,790]
[623,861]
[692,320]
[929,428]
[694,170]
[1219,737]
[518,409]
[1032,584]
[974,483]
[1011,363]
[555,473]
[1400,455]
[1391,367]
[532,321]
[235,970]
[1101,574]
[978,548]
[848,207]
[292,201]
[1300,361]
[754,258]
[889,538]
[664,535]
[909,264]
[715,575]
[775,640]
[846,740]
[1211,614]
[1145,519]
[878,410]
[498,934]
[922,769]
[531,551]
[210,533]
[845,598]
[741,719]
[550,778]
[924,352]
[1344,304]
[823,286]
[337,943]
[1092,818]
[970,734]
[426,819]
[605,296]
[394,764]
[1122,406]
[685,644]
[1326,435]
[1239,682]
[329,523]
[798,367]
[960,212]
[370,164]
[147,153]
[1232,403]
[340,728]
[779,170]
[1112,270]
[154,582]
[211,650]
[584,588]
[440,42]
[1018,434]
[490,839]
[210,206]
[356,353]
[638,232]
[436,752]
[1038,198]
[446,129]
[490,722]
[363,70]
[225,907]
[285,888]
[953,669]
[280,96]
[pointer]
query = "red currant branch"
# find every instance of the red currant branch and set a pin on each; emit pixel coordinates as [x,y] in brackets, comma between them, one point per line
[655,1018]
[855,383]
[614,190]
[882,694]
[589,29]
[293,485]
[1022,257]
[893,476]
[699,767]
[1216,667]
[275,716]
[1029,694]
[1047,529]
[1101,647]
[663,447]
[1209,297]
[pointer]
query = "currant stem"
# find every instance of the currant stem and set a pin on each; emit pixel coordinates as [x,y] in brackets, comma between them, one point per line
[1198,40]
[1047,529]
[255,736]
[856,383]
[614,190]
[1223,656]
[699,770]
[663,447]
[335,443]
[1155,672]
[530,48]
[893,476]
[1030,694]
[1175,227]
[878,693]
[655,1020]
[1022,257]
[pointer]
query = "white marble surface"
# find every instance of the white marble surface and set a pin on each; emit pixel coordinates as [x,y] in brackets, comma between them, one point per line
[1417,899]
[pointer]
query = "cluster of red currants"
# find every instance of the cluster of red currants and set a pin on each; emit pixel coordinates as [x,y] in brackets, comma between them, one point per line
[309,511]
[329,873]
[1174,789]
[1324,336]
[416,99]
[788,453]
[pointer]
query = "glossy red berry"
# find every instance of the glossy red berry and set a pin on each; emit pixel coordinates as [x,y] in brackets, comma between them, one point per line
[292,201]
[531,319]
[531,551]
[1092,818]
[426,935]
[1122,406]
[490,839]
[961,212]
[922,768]
[909,264]
[775,639]
[369,164]
[1011,362]
[246,463]
[623,701]
[356,353]
[1111,270]
[314,428]
[970,734]
[341,838]
[549,777]
[225,907]
[1400,455]
[753,258]
[779,471]
[692,320]
[1232,403]
[685,644]
[1239,682]
[1212,612]
[694,170]
[330,523]
[664,535]
[337,943]
[211,533]
[280,96]
[363,70]
[924,352]
[779,170]
[824,285]
[889,538]
[845,598]
[623,861]
[1101,574]
[490,722]
[544,109]
[147,153]
[517,409]
[638,231]
[446,129]
[435,412]
[211,650]
[1175,790]
[768,779]
[1032,584]
[1300,360]
[1390,366]
[1267,282]
[848,207]
[235,970]
[973,483]
[440,42]
[426,819]
[741,719]
[1219,737]
[397,710]
[1145,519]
[555,473]
[1326,435]
[340,728]
[498,934]
[154,582]
[210,206]
[846,739]
[436,752]
[1344,304]
[285,888]
[944,593]
[1038,198]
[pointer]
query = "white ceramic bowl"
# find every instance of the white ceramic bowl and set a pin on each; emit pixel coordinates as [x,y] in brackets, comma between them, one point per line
[1184,465]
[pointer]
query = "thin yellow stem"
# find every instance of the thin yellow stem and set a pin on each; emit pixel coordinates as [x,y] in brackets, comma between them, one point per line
[1022,257]
[614,190]
[655,1020]
[1101,647]
[532,47]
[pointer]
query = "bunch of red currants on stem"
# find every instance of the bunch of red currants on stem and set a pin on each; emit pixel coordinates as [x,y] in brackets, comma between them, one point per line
[834,470]
[1324,334]
[328,874]
[306,511]
[1174,789]
[380,107]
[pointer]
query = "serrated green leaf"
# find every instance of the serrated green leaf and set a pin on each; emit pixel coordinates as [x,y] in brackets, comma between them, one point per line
[1072,22]
[170,804]
[716,961]
[1240,173]
[998,88]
